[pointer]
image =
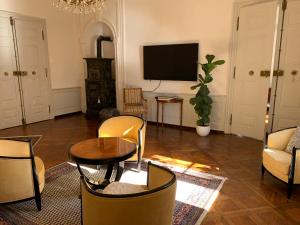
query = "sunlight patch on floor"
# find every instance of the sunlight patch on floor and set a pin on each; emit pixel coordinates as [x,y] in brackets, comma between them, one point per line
[184,164]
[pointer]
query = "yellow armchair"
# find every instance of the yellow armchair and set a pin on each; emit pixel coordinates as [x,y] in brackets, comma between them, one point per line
[278,162]
[22,175]
[130,127]
[154,206]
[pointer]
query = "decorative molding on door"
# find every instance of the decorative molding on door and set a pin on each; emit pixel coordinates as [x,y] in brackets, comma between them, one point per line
[172,111]
[66,100]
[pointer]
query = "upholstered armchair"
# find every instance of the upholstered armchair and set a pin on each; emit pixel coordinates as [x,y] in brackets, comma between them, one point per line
[130,127]
[153,206]
[134,102]
[22,175]
[281,164]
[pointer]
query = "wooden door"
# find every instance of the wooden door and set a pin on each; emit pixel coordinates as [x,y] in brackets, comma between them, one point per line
[32,55]
[10,103]
[287,105]
[256,31]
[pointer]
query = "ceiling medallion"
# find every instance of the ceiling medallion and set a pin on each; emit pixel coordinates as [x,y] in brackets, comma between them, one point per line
[80,6]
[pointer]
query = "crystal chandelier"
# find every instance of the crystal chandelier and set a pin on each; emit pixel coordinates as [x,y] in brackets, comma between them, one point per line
[80,6]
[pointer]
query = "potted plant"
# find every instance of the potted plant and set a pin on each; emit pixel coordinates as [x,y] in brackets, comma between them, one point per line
[202,102]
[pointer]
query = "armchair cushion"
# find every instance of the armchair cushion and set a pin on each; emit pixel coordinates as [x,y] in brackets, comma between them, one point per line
[118,188]
[294,141]
[278,163]
[278,160]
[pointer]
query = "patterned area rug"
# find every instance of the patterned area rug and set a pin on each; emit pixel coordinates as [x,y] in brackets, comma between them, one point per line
[196,192]
[33,138]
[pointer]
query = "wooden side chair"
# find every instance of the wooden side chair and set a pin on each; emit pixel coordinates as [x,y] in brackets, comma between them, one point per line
[134,102]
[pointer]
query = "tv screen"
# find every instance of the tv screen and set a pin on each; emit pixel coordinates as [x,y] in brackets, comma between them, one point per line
[171,62]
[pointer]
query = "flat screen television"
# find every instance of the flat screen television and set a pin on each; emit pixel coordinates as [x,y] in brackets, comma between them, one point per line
[171,62]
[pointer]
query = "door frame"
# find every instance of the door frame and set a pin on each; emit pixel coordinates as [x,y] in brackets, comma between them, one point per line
[43,22]
[238,4]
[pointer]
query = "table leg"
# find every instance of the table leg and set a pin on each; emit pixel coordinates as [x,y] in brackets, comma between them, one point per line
[120,171]
[157,112]
[94,185]
[109,171]
[79,169]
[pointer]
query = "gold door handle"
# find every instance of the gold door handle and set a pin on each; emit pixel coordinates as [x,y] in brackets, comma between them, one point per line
[24,73]
[294,73]
[276,73]
[17,73]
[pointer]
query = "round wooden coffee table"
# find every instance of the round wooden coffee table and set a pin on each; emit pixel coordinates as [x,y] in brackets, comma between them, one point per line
[110,151]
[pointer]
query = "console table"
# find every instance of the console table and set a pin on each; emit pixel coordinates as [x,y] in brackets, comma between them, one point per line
[164,101]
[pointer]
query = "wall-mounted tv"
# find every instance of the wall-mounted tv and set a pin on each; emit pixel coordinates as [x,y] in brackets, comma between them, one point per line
[171,62]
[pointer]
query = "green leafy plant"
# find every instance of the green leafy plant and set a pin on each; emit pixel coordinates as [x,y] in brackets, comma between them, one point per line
[202,102]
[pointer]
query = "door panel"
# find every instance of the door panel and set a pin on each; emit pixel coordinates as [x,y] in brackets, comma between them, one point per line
[10,104]
[254,54]
[287,106]
[32,59]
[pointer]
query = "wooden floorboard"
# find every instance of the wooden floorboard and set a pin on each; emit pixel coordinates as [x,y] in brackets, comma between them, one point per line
[244,199]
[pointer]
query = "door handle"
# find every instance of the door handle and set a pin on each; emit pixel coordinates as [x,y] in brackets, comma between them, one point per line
[276,73]
[294,72]
[24,73]
[17,73]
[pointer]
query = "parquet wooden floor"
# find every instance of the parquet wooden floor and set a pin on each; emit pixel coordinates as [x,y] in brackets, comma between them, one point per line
[244,199]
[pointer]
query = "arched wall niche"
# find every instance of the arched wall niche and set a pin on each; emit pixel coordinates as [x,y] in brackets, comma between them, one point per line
[89,34]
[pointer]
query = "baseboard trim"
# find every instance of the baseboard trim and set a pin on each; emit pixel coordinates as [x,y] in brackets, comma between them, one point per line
[69,115]
[186,128]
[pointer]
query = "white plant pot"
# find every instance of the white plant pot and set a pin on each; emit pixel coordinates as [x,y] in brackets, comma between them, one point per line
[203,130]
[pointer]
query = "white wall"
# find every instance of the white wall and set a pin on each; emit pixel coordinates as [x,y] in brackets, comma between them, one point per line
[139,23]
[63,39]
[208,22]
[136,23]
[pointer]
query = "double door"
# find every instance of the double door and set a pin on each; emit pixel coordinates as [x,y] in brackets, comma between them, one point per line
[24,80]
[268,42]
[286,88]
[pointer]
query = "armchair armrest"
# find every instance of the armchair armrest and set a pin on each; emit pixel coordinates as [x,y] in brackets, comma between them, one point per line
[279,140]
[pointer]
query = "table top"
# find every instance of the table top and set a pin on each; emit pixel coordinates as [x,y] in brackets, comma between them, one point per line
[172,100]
[99,151]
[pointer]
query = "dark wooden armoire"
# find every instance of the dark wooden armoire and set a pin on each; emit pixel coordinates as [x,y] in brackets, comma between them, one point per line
[100,85]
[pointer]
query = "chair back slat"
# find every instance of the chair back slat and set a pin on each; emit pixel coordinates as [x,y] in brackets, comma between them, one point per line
[133,96]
